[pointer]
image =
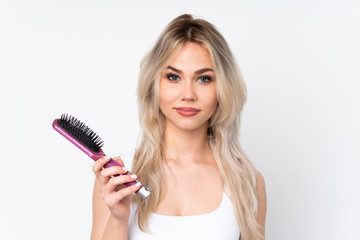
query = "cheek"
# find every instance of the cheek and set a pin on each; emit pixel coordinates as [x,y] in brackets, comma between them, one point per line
[166,97]
[162,95]
[213,101]
[168,93]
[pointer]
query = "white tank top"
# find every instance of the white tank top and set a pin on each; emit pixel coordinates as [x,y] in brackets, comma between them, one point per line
[219,224]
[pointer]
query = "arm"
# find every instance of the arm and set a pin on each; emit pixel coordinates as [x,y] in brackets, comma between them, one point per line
[261,194]
[111,202]
[105,226]
[101,213]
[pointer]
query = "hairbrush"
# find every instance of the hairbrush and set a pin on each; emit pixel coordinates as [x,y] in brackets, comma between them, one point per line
[84,138]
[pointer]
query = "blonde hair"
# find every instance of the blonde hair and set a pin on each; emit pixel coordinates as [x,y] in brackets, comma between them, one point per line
[237,171]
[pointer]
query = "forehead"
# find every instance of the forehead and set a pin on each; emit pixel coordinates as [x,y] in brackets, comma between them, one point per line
[191,56]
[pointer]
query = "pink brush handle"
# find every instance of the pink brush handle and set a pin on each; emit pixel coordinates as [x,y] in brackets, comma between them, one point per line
[113,163]
[143,191]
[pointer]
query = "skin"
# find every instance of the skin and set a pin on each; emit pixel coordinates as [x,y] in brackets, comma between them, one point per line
[189,81]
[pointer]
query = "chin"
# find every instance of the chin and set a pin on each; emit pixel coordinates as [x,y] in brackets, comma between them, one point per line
[191,126]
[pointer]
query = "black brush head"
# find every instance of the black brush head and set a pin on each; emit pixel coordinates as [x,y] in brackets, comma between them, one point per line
[80,132]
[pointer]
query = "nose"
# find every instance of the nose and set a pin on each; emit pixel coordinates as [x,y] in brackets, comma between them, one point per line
[188,93]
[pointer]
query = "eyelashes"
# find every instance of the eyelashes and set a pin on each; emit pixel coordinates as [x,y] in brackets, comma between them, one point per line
[202,79]
[205,79]
[172,77]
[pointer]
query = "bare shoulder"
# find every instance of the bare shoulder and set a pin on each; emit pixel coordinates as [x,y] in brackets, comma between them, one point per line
[262,202]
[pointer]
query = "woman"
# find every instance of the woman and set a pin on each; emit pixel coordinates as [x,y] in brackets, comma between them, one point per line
[190,97]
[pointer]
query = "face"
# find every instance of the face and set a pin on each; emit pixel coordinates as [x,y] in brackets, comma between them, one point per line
[187,95]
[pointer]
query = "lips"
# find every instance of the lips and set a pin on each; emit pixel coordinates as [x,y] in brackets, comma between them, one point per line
[187,111]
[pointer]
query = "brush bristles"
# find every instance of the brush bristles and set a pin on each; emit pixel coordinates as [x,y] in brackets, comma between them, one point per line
[81,132]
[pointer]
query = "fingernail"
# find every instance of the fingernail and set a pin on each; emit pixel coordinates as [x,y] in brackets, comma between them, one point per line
[138,184]
[107,157]
[133,176]
[125,169]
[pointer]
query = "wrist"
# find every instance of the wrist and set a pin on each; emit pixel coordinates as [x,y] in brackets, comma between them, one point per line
[115,229]
[114,221]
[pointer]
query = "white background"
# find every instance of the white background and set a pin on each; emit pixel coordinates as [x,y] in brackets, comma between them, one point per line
[300,61]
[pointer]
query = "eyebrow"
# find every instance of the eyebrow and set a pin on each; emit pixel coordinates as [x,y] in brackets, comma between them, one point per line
[200,71]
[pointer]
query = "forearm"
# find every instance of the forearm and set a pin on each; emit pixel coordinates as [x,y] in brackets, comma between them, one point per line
[115,229]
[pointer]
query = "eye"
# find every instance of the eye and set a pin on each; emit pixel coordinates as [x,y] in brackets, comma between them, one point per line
[205,79]
[172,77]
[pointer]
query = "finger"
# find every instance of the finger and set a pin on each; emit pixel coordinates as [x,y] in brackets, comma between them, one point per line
[107,173]
[114,182]
[127,191]
[98,170]
[111,198]
[99,164]
[113,171]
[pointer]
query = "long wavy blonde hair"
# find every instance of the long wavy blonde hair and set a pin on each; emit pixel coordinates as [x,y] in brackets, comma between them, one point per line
[237,171]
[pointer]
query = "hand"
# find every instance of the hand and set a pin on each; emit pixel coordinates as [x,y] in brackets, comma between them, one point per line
[112,189]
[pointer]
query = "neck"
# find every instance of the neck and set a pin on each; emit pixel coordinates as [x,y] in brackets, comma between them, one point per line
[186,147]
